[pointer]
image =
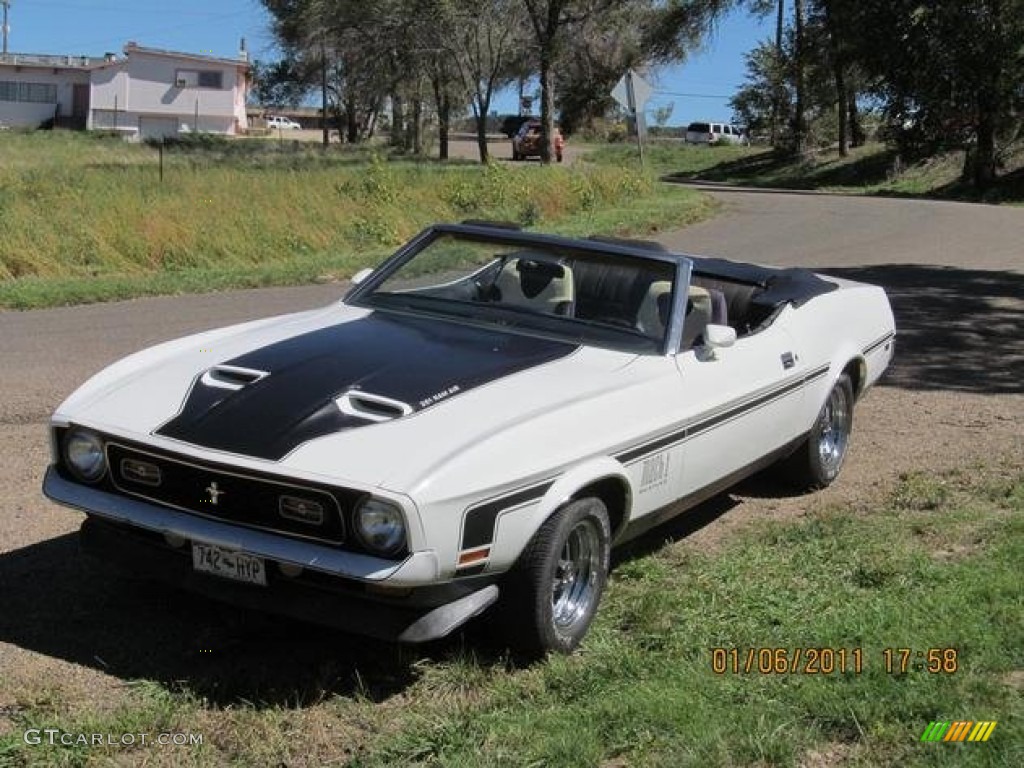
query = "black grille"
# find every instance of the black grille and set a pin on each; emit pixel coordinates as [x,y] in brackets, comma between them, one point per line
[241,498]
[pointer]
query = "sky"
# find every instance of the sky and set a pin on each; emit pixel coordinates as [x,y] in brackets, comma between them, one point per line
[699,88]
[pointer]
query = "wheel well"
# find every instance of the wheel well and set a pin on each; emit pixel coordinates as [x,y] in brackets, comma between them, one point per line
[614,492]
[857,371]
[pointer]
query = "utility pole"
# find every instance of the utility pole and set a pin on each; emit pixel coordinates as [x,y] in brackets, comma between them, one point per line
[323,96]
[7,5]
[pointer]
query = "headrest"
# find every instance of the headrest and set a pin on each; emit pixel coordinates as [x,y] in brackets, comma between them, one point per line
[532,267]
[535,276]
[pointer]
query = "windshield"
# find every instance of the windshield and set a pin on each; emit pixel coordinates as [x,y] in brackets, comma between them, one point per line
[617,302]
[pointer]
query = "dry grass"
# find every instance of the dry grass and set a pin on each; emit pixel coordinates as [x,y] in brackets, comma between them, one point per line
[83,208]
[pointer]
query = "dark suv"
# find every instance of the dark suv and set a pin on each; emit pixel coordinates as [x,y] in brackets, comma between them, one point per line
[512,123]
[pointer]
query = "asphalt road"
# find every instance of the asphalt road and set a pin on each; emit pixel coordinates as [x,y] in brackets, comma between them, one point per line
[812,230]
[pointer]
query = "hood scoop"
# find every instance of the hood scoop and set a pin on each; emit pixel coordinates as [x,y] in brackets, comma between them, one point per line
[231,377]
[363,405]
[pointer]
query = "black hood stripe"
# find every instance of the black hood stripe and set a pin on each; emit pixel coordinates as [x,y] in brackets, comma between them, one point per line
[417,362]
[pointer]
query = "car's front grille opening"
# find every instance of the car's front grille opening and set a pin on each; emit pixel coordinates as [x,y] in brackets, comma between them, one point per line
[283,506]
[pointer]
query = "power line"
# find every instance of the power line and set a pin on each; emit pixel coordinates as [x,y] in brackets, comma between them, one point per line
[693,95]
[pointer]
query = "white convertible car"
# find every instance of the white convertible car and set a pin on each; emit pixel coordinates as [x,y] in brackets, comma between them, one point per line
[470,430]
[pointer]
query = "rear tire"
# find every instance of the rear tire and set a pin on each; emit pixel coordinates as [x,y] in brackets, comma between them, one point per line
[818,460]
[551,595]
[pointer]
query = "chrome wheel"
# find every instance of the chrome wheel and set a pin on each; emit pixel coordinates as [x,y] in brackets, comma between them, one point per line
[549,599]
[573,585]
[834,430]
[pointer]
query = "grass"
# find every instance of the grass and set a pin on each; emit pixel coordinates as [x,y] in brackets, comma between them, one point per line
[872,169]
[931,563]
[85,218]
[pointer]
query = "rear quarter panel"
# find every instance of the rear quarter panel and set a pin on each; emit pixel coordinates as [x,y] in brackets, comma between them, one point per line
[851,327]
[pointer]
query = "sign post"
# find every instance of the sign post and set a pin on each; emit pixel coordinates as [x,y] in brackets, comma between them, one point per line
[632,92]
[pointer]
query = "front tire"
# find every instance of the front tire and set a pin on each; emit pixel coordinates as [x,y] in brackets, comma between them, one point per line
[818,460]
[552,593]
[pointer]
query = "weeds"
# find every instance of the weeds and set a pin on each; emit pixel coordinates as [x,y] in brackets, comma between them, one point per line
[85,218]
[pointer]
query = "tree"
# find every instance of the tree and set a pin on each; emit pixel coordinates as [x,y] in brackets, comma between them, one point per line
[763,101]
[662,114]
[812,68]
[594,41]
[601,47]
[548,20]
[283,83]
[948,74]
[799,129]
[486,42]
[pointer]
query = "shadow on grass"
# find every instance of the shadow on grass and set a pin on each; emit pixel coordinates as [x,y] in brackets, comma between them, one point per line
[1008,188]
[60,603]
[770,169]
[958,330]
[869,173]
[675,529]
[57,602]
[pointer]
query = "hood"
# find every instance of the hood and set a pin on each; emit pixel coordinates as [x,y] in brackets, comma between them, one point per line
[348,375]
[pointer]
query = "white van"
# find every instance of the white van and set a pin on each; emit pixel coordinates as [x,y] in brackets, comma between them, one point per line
[715,133]
[282,123]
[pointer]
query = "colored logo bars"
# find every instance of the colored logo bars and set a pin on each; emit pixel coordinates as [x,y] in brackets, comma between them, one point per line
[959,730]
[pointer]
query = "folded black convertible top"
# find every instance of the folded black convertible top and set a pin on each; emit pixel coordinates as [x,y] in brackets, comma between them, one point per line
[781,285]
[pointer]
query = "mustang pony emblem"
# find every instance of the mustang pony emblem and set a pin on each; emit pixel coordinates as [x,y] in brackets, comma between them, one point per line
[215,493]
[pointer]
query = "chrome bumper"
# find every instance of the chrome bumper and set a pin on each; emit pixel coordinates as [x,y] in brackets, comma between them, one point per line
[425,614]
[418,569]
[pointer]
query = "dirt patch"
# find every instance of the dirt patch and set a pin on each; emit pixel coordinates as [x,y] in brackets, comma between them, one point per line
[1015,679]
[827,756]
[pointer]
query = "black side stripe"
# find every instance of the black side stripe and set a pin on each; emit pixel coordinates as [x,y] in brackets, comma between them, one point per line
[479,522]
[478,525]
[695,428]
[872,347]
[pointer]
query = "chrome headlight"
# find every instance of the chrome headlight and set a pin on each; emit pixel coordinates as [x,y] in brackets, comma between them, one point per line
[380,526]
[83,453]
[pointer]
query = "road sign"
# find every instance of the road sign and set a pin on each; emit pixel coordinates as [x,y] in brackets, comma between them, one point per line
[632,92]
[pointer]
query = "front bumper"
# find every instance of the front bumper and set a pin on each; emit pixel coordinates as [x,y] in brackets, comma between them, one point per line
[417,569]
[339,589]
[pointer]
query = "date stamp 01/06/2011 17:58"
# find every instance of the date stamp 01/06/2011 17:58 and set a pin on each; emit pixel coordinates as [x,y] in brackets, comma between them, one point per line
[829,661]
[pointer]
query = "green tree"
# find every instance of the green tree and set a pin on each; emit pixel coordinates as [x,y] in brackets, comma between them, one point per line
[485,41]
[948,74]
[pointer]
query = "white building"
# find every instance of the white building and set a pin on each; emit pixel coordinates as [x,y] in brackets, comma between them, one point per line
[34,89]
[148,93]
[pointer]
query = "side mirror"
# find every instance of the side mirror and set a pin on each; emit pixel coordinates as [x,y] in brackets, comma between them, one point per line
[364,273]
[719,336]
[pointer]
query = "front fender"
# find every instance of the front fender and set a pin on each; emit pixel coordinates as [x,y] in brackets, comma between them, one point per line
[516,528]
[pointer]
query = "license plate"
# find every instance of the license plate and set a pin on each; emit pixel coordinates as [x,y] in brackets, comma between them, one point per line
[231,565]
